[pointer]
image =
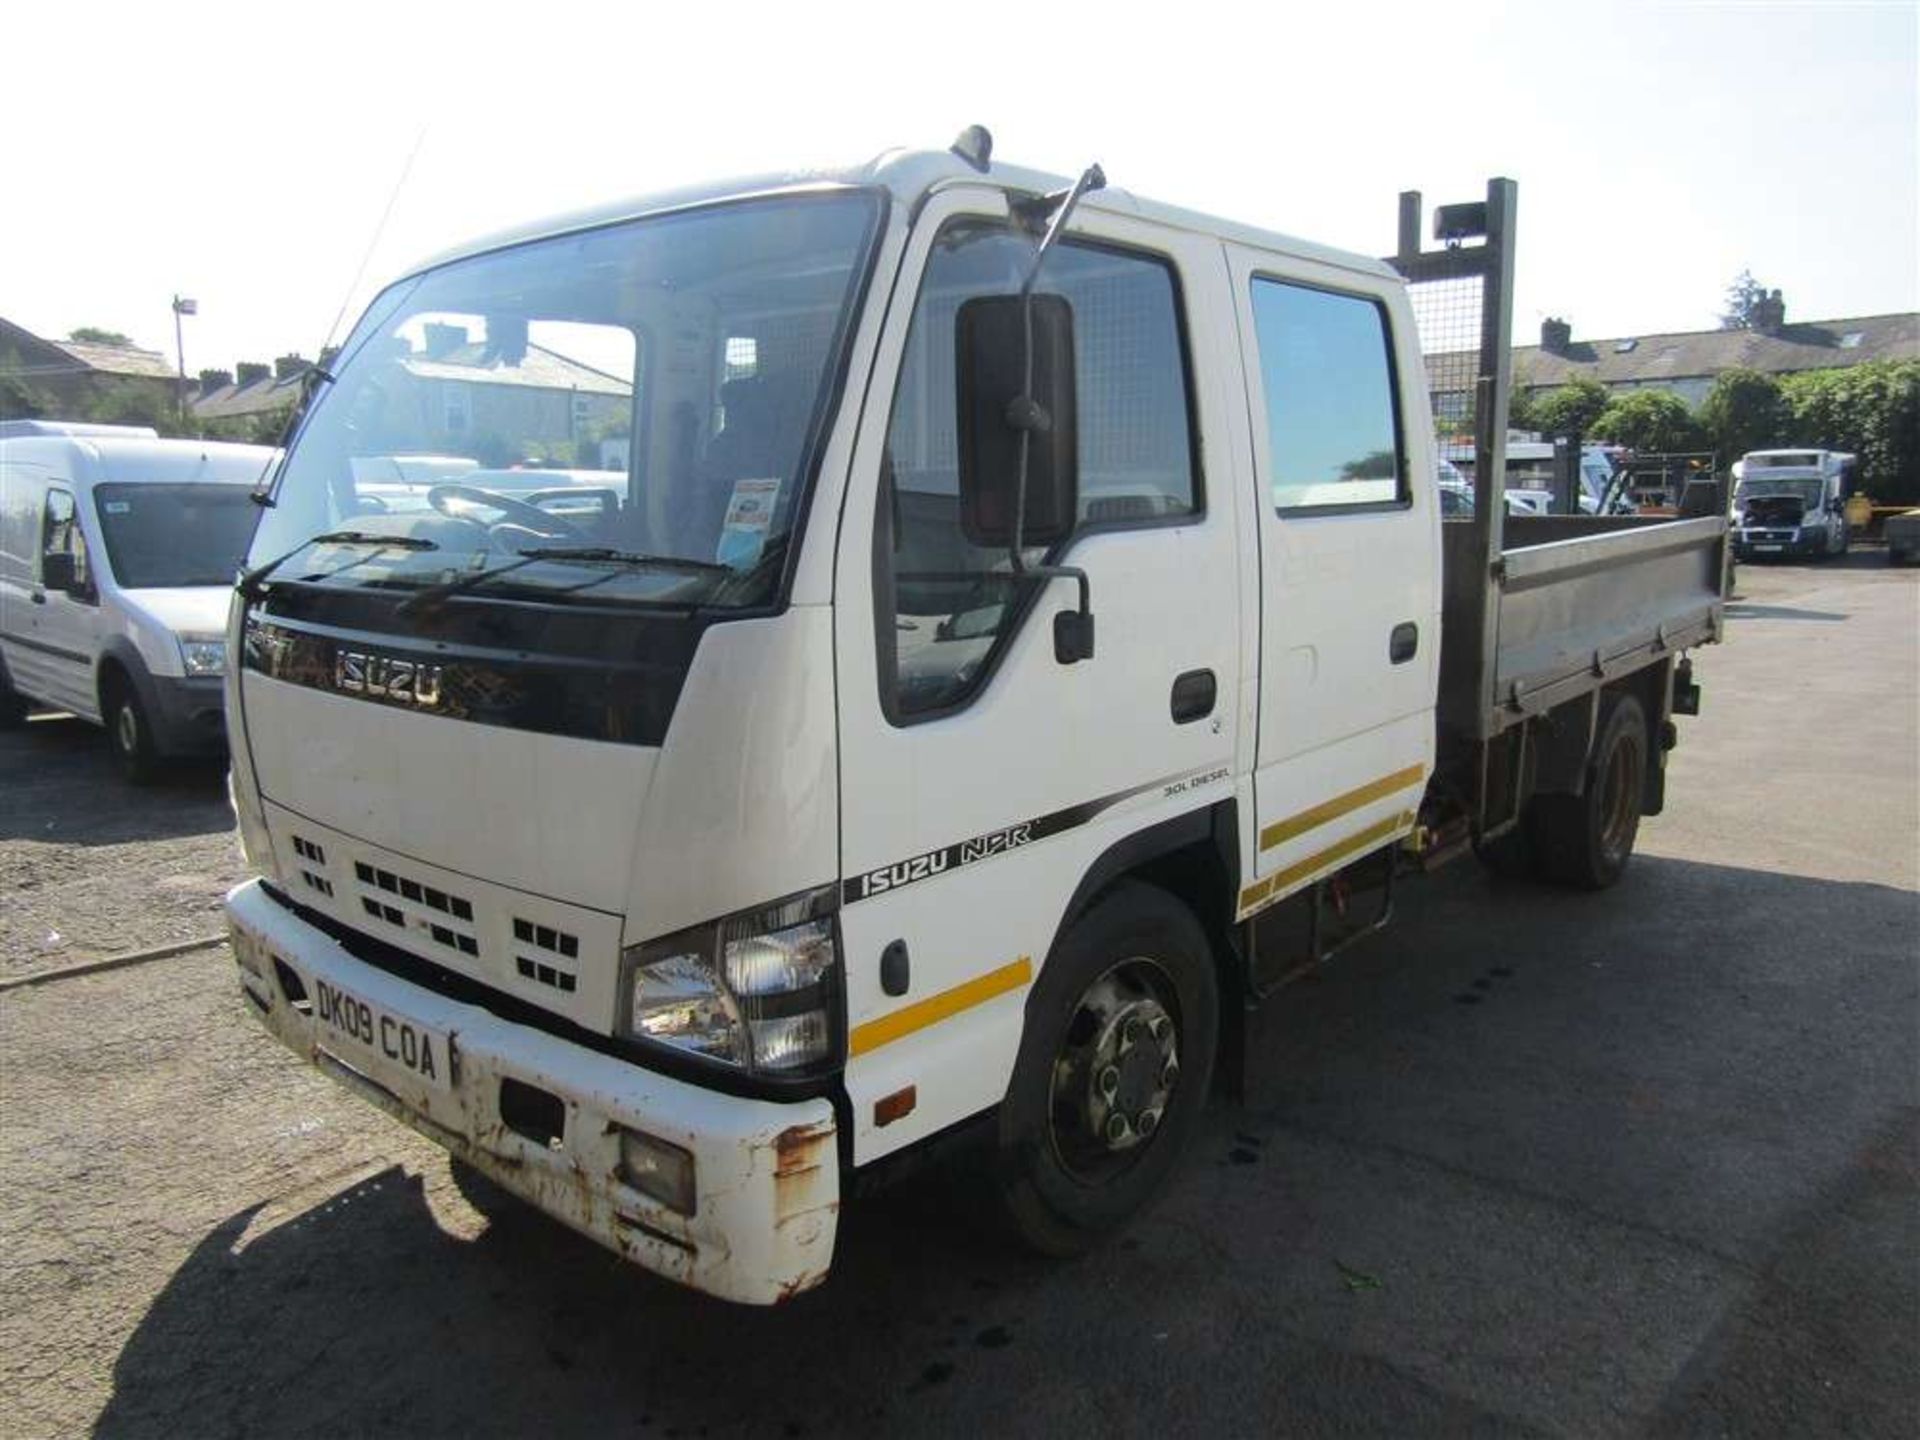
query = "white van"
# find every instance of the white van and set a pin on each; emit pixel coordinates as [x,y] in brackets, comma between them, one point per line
[1791,502]
[117,554]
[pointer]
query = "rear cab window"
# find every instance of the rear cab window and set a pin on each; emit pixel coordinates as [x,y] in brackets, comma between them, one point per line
[1333,422]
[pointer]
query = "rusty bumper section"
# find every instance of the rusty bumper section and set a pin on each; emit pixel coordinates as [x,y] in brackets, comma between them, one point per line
[766,1175]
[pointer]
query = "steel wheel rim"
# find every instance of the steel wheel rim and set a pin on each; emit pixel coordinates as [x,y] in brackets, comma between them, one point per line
[1620,806]
[1116,1071]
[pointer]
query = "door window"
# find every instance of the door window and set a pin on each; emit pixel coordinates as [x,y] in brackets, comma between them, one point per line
[60,533]
[944,606]
[1326,368]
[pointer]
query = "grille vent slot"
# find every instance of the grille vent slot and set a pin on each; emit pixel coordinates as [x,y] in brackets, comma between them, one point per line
[314,855]
[555,945]
[400,902]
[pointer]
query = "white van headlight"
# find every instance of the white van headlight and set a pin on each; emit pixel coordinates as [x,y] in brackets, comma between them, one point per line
[203,654]
[759,990]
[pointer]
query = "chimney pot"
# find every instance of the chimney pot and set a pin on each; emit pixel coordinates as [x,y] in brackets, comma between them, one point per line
[1556,335]
[288,366]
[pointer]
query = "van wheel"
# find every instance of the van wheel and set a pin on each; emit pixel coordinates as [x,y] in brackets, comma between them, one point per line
[131,735]
[1585,840]
[13,705]
[1113,1072]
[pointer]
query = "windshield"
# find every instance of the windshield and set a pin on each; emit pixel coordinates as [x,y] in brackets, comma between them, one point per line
[618,415]
[159,536]
[1807,492]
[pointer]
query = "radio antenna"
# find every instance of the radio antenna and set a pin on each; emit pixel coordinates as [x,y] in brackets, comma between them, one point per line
[318,374]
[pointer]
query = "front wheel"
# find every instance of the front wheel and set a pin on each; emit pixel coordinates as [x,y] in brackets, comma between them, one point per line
[1585,840]
[1113,1071]
[132,737]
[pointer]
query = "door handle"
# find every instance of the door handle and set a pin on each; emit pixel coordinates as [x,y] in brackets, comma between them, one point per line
[1404,643]
[1193,696]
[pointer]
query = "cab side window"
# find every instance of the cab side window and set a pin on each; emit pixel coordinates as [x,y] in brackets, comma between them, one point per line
[60,532]
[1333,428]
[946,607]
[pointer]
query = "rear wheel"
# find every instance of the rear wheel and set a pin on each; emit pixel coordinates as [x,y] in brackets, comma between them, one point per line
[130,733]
[1113,1071]
[1586,839]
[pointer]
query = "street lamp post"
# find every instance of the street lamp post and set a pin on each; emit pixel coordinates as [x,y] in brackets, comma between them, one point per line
[182,306]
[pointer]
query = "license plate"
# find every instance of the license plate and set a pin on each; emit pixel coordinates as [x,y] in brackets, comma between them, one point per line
[1769,549]
[424,1053]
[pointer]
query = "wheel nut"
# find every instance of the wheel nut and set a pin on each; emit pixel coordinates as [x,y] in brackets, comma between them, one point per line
[1116,1129]
[1169,1073]
[1162,1029]
[1147,1123]
[1109,1081]
[1129,1031]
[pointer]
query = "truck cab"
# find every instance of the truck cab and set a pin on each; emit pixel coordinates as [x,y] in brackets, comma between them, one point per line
[953,605]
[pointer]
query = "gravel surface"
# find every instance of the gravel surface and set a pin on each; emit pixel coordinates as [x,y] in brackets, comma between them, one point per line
[1528,1163]
[92,866]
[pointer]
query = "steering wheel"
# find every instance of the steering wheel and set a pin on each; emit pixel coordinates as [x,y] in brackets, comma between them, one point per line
[520,511]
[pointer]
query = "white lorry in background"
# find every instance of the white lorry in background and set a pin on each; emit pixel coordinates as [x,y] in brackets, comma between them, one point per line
[1016,645]
[1791,502]
[117,557]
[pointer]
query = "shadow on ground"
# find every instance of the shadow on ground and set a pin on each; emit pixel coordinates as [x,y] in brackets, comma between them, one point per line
[1532,1161]
[62,786]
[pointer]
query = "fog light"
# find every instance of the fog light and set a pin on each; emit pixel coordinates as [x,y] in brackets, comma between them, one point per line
[653,1167]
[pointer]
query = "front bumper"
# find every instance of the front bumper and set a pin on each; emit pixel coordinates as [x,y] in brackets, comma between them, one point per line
[766,1174]
[1752,544]
[189,714]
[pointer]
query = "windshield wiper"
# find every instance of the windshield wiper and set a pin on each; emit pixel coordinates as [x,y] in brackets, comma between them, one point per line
[628,559]
[249,582]
[433,594]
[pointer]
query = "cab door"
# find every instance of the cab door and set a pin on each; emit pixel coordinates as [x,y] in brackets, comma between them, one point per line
[980,775]
[1344,505]
[65,625]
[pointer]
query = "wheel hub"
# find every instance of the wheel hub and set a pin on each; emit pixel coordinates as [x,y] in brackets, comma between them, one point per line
[1121,1076]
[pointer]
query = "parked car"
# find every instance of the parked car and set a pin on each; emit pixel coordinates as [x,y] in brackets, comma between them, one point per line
[117,556]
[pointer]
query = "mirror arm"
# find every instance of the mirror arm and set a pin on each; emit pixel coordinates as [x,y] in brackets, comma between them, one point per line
[1072,640]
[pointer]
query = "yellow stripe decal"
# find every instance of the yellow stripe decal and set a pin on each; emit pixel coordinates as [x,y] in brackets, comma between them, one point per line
[1282,831]
[935,1008]
[1285,879]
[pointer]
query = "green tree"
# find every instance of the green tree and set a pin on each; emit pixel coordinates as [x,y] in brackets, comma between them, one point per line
[94,335]
[1569,409]
[1871,410]
[1380,465]
[1742,296]
[1744,411]
[1653,420]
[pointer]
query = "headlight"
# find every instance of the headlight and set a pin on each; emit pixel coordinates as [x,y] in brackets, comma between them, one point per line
[203,654]
[758,990]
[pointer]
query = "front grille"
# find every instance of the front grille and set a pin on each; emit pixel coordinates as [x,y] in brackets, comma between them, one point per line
[556,946]
[407,904]
[314,880]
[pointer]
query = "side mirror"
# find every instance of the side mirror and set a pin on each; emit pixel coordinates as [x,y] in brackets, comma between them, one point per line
[990,349]
[56,571]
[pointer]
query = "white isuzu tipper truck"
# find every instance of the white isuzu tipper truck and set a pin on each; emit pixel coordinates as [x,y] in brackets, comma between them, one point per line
[1022,635]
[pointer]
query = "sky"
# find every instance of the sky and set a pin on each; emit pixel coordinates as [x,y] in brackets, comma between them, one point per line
[244,155]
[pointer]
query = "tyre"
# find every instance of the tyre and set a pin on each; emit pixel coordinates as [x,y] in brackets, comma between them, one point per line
[13,705]
[1510,856]
[130,734]
[1585,840]
[1113,1073]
